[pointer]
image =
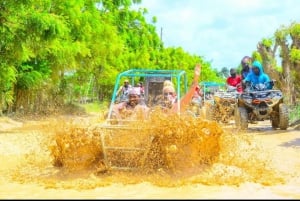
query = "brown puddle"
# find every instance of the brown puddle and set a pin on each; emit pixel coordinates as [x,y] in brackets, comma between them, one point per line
[179,151]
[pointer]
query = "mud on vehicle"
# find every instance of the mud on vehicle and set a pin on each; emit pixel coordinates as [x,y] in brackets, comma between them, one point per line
[222,109]
[129,143]
[257,103]
[219,101]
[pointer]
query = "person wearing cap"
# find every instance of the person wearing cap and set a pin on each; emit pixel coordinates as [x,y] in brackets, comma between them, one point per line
[123,91]
[132,105]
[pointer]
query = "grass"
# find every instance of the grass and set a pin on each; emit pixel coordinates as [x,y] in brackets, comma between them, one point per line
[294,113]
[95,107]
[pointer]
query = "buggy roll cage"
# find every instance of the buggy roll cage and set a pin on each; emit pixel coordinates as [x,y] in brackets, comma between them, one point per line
[210,85]
[150,77]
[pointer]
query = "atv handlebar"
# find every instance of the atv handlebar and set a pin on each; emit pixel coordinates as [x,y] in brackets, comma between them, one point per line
[249,86]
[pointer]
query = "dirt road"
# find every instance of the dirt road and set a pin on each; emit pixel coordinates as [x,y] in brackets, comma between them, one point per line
[261,163]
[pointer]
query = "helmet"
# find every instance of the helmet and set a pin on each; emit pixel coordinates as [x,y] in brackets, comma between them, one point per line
[246,60]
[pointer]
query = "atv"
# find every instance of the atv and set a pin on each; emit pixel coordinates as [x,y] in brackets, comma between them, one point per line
[257,103]
[222,108]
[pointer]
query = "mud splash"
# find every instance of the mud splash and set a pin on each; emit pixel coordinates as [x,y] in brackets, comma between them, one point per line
[184,150]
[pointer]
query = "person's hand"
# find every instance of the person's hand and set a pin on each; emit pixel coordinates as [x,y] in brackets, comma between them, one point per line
[197,69]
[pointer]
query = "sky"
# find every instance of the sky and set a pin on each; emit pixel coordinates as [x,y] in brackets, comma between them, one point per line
[220,31]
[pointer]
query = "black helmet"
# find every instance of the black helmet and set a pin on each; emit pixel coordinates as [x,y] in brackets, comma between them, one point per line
[246,61]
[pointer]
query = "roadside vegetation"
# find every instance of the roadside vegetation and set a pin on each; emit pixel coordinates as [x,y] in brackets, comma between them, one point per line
[66,52]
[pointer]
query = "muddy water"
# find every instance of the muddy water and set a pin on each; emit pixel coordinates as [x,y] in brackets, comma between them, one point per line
[190,158]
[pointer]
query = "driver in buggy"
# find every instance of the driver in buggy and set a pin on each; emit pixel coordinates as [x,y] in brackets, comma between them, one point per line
[134,107]
[256,78]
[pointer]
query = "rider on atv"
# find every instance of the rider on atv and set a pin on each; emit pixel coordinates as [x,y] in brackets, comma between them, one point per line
[234,81]
[257,76]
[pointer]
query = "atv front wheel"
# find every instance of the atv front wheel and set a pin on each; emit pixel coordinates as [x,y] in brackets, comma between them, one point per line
[275,121]
[283,116]
[241,118]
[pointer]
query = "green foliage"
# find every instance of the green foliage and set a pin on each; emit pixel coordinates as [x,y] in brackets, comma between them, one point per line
[95,107]
[295,55]
[77,48]
[281,33]
[295,29]
[267,42]
[256,56]
[294,113]
[28,78]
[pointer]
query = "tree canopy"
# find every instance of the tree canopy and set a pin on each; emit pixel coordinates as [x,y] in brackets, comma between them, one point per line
[57,51]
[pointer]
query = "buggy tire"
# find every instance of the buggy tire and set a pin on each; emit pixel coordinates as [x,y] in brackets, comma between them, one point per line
[283,116]
[241,118]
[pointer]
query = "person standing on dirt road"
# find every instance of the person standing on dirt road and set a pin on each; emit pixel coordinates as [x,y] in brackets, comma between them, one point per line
[235,80]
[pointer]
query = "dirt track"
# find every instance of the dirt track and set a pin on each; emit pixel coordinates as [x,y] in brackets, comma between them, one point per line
[26,170]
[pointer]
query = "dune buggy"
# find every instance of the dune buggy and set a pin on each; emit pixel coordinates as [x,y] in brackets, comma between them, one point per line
[126,143]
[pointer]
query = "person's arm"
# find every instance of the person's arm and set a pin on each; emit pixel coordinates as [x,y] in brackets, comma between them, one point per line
[119,90]
[246,81]
[239,81]
[268,82]
[186,99]
[227,81]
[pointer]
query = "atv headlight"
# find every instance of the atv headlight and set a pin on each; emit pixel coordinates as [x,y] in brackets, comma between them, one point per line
[249,101]
[247,97]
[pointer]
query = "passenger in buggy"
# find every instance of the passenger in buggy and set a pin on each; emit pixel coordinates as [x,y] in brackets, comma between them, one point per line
[169,96]
[122,92]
